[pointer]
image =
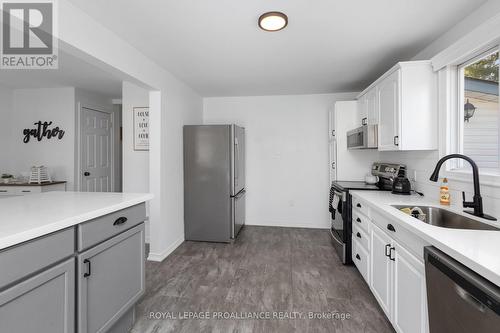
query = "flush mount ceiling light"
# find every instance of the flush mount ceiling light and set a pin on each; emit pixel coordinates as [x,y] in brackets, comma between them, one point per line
[273,21]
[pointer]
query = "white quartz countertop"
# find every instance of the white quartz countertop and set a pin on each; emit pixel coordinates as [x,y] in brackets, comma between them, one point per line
[23,218]
[477,249]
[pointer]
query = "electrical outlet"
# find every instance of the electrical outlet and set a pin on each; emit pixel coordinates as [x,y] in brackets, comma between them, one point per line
[414,175]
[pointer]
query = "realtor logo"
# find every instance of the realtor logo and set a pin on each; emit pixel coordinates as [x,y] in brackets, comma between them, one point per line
[28,30]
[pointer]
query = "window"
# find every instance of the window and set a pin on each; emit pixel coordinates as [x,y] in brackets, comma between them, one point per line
[479,112]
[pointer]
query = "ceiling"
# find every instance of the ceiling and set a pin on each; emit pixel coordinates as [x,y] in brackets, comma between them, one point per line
[72,72]
[329,46]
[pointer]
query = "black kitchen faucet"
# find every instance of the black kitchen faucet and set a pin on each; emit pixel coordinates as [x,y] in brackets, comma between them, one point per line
[477,202]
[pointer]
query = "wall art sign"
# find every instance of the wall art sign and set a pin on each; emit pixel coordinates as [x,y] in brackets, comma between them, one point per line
[141,128]
[41,131]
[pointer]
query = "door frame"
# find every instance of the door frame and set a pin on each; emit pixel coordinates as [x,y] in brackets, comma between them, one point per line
[78,143]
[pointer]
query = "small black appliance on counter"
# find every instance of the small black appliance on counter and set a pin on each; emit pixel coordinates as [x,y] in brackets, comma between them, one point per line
[401,185]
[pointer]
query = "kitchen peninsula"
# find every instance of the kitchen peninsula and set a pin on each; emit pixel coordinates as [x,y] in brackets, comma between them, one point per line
[74,259]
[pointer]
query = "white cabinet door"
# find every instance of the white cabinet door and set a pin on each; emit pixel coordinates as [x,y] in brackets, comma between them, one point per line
[331,125]
[389,109]
[333,160]
[362,116]
[381,269]
[371,107]
[410,309]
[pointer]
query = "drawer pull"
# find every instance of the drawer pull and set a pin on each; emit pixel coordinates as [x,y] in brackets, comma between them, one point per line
[89,271]
[358,205]
[387,250]
[119,221]
[358,220]
[358,257]
[390,227]
[26,191]
[358,235]
[3,191]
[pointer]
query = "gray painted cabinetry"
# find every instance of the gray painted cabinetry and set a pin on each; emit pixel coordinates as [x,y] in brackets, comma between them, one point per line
[85,280]
[111,280]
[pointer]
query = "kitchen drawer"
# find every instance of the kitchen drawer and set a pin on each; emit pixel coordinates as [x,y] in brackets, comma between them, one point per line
[102,228]
[361,257]
[361,236]
[5,190]
[407,239]
[361,221]
[24,190]
[360,206]
[21,260]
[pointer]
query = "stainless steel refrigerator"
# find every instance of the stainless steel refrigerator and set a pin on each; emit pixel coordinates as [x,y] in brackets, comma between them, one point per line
[214,182]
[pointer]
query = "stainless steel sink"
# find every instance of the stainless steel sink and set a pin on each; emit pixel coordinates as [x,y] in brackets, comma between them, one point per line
[447,219]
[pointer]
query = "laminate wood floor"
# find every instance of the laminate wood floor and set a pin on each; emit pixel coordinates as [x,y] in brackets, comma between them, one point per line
[266,271]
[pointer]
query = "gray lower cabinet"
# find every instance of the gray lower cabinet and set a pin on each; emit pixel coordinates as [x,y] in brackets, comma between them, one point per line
[43,303]
[110,280]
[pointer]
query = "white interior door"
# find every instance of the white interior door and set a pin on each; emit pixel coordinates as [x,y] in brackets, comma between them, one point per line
[95,151]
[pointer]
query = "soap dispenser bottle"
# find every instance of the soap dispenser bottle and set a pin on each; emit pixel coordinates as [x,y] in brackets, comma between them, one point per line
[444,193]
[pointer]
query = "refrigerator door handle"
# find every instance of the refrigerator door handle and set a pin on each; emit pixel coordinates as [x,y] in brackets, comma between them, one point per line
[237,148]
[240,194]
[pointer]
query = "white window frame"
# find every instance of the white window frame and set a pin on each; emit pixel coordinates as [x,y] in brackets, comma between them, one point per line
[457,121]
[482,38]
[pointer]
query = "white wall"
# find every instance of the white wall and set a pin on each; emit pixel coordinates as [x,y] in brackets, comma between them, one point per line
[58,105]
[6,108]
[135,163]
[50,104]
[287,155]
[172,104]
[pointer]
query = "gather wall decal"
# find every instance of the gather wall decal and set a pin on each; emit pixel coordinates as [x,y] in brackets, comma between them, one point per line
[41,131]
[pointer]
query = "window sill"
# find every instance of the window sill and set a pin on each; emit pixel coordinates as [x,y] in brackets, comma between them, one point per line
[487,177]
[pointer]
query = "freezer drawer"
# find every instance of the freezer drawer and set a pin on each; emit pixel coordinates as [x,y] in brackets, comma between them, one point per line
[238,212]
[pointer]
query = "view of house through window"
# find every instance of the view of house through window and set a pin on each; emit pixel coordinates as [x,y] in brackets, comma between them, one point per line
[481,112]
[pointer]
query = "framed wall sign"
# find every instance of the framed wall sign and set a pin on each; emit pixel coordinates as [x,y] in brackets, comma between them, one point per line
[141,128]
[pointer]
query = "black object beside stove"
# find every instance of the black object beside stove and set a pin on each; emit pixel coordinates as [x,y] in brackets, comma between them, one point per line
[340,204]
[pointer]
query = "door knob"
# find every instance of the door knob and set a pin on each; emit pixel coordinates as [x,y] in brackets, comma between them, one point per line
[86,173]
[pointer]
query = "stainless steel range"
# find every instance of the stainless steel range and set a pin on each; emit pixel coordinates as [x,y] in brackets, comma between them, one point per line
[340,204]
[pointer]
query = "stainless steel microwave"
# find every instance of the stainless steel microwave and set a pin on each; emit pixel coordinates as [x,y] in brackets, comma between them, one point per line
[364,137]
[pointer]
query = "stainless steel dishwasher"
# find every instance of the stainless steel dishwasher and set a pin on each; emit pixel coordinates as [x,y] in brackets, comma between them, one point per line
[459,300]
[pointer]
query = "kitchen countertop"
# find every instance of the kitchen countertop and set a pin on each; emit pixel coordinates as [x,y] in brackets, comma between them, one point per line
[23,218]
[477,249]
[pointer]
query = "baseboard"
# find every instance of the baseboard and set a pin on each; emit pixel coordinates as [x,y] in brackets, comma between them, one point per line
[159,257]
[287,224]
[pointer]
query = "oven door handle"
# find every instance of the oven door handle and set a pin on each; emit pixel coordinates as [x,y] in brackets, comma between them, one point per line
[336,237]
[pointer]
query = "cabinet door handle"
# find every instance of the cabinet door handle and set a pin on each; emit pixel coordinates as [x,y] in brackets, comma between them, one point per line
[358,220]
[387,250]
[358,205]
[358,257]
[396,140]
[358,235]
[120,220]
[89,268]
[390,253]
[390,227]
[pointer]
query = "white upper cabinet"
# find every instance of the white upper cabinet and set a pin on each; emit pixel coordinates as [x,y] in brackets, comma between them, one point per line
[371,107]
[388,101]
[403,102]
